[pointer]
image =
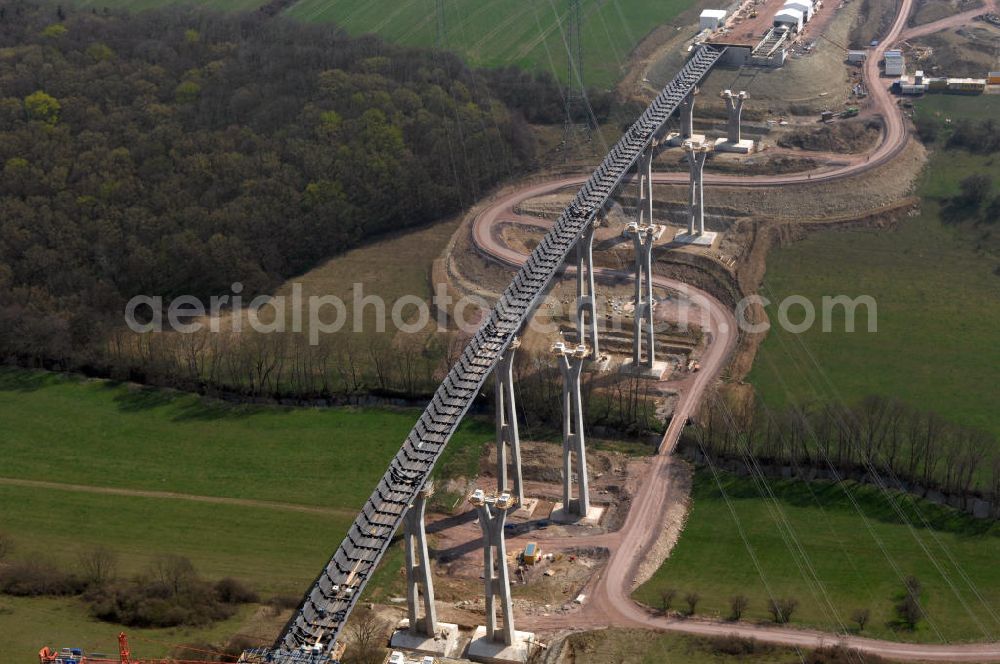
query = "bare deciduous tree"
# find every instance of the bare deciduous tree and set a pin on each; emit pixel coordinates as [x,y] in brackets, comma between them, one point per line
[667,599]
[738,605]
[174,572]
[908,609]
[98,566]
[781,610]
[692,600]
[860,618]
[366,631]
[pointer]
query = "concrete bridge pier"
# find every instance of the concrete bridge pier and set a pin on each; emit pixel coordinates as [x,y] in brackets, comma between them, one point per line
[686,113]
[697,154]
[586,292]
[687,116]
[506,423]
[491,643]
[644,327]
[421,634]
[571,361]
[644,198]
[418,566]
[734,142]
[644,234]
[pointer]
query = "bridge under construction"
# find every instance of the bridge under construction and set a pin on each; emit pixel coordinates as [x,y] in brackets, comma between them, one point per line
[314,630]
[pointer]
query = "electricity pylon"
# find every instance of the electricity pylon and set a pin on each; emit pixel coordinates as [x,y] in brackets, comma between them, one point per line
[576,96]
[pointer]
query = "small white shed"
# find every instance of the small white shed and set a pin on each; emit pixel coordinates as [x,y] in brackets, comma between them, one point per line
[712,19]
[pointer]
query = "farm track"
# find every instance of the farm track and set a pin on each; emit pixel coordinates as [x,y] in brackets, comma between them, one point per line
[171,495]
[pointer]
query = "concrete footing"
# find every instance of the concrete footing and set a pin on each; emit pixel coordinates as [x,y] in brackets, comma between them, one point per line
[656,231]
[677,140]
[598,365]
[444,643]
[483,649]
[643,370]
[706,239]
[743,146]
[526,509]
[593,518]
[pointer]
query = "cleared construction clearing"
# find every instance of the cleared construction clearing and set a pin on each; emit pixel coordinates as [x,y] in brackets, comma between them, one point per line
[969,51]
[808,83]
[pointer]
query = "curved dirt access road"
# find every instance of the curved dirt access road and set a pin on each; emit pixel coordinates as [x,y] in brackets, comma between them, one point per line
[609,595]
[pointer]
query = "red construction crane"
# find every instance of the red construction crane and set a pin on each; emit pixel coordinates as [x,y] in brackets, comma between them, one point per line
[124,655]
[49,656]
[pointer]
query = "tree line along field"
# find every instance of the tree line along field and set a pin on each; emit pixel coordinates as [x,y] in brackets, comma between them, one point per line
[936,282]
[139,5]
[490,34]
[836,549]
[289,481]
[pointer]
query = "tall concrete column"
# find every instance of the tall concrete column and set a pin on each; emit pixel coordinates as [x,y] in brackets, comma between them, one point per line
[734,102]
[697,154]
[642,238]
[418,566]
[571,361]
[687,116]
[644,199]
[586,292]
[506,417]
[492,516]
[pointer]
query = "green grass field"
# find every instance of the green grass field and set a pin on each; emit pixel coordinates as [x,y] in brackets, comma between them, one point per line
[634,646]
[508,32]
[489,34]
[938,303]
[845,562]
[107,436]
[121,436]
[28,624]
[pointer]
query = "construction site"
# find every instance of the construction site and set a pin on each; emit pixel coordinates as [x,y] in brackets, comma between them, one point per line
[622,283]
